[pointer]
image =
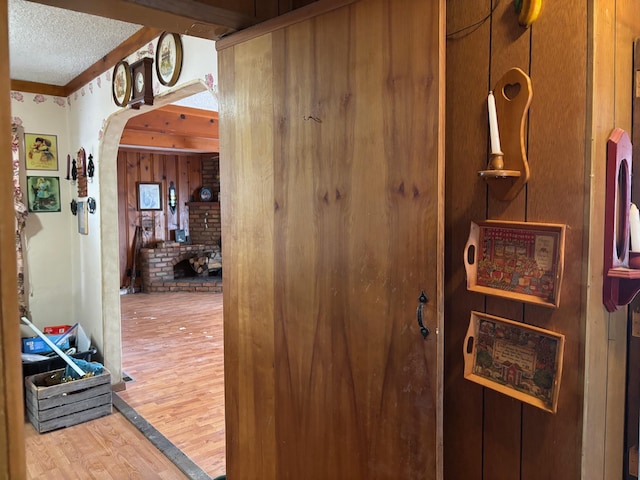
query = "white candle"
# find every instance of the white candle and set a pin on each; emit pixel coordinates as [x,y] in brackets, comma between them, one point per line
[493,125]
[634,227]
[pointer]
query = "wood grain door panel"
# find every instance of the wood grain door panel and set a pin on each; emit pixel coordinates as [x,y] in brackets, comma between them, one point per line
[331,203]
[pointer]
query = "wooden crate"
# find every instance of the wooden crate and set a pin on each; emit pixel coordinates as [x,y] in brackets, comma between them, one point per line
[66,404]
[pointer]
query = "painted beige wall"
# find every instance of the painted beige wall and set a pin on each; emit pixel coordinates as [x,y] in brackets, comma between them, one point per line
[75,277]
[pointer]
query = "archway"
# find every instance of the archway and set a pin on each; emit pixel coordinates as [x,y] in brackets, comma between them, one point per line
[110,287]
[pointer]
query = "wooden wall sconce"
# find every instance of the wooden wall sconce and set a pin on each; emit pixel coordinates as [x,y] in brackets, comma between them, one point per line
[621,283]
[508,168]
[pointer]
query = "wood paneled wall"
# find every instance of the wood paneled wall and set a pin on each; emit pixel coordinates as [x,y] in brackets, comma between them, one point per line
[185,170]
[487,435]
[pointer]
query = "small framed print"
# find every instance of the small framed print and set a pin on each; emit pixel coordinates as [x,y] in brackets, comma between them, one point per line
[42,151]
[169,58]
[515,359]
[521,261]
[121,83]
[149,196]
[83,218]
[43,194]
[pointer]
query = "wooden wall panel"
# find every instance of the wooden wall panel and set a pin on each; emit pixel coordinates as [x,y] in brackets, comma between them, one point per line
[514,438]
[135,166]
[247,211]
[563,137]
[465,201]
[510,47]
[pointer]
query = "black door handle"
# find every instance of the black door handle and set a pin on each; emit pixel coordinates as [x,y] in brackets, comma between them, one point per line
[423,300]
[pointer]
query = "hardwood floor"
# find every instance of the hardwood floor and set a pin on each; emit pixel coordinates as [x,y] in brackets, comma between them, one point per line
[172,348]
[108,448]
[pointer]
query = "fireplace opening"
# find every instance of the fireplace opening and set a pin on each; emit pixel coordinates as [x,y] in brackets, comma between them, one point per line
[183,269]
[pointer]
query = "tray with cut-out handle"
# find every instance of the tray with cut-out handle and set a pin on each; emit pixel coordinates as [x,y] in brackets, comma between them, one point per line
[516,359]
[520,261]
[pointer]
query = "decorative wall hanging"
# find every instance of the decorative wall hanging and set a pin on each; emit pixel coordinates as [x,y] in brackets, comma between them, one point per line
[520,261]
[149,196]
[42,151]
[519,360]
[21,214]
[508,169]
[169,58]
[121,83]
[74,207]
[91,204]
[205,194]
[83,219]
[90,167]
[142,83]
[82,173]
[43,194]
[173,199]
[621,282]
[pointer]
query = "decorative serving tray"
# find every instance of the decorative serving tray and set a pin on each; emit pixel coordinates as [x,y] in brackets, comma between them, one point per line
[517,260]
[516,359]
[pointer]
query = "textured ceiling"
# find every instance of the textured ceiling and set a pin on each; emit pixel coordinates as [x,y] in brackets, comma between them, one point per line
[52,45]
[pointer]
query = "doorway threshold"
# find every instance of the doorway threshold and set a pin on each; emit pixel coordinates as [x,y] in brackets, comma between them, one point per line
[162,443]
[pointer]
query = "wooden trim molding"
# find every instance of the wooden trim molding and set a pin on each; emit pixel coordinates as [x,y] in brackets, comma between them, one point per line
[290,18]
[12,448]
[126,48]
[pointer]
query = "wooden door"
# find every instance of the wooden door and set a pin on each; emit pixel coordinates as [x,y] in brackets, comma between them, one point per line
[331,175]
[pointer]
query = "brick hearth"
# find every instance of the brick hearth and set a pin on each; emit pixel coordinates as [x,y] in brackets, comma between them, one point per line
[157,270]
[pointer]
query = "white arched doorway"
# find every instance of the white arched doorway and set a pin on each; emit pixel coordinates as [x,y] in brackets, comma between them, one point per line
[110,284]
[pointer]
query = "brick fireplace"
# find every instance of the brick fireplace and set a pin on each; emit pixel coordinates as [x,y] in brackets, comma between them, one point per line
[162,268]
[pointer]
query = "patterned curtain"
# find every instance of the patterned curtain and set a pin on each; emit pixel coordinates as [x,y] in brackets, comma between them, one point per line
[21,216]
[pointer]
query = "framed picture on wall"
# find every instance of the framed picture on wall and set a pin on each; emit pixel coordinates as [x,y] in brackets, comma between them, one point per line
[169,58]
[149,196]
[42,151]
[43,194]
[83,218]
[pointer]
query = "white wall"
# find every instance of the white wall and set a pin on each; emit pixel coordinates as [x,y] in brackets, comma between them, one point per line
[75,277]
[48,236]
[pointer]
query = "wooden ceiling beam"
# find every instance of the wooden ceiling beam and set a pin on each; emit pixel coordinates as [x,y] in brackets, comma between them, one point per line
[159,141]
[199,18]
[139,39]
[42,88]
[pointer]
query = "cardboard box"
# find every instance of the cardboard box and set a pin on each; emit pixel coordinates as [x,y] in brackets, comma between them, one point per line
[56,329]
[38,345]
[66,404]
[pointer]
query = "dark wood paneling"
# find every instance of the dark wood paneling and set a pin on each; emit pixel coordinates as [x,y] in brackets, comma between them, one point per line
[136,166]
[515,441]
[553,198]
[465,201]
[510,47]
